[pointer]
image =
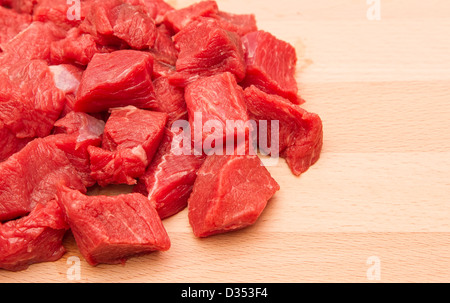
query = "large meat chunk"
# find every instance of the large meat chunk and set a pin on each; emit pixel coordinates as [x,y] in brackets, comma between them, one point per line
[11,23]
[230,193]
[207,49]
[112,22]
[34,41]
[31,176]
[240,24]
[33,239]
[111,229]
[130,141]
[214,101]
[271,65]
[179,19]
[57,11]
[170,177]
[117,79]
[300,132]
[156,9]
[30,102]
[170,99]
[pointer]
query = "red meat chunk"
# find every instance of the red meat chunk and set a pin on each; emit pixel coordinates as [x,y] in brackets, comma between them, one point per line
[169,179]
[179,19]
[111,229]
[31,176]
[34,41]
[240,24]
[218,99]
[112,22]
[164,49]
[230,193]
[33,239]
[207,49]
[271,71]
[30,103]
[300,132]
[67,78]
[77,48]
[22,6]
[56,11]
[131,139]
[156,9]
[11,23]
[170,99]
[117,79]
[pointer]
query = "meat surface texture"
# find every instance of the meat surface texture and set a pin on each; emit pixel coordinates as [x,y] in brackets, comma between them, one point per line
[300,132]
[130,141]
[169,179]
[271,65]
[230,193]
[33,239]
[111,229]
[117,79]
[11,23]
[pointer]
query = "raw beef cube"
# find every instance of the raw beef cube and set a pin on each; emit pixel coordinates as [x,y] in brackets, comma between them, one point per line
[218,99]
[300,132]
[117,79]
[170,177]
[11,23]
[11,144]
[34,41]
[240,24]
[112,22]
[156,9]
[230,193]
[130,141]
[33,239]
[170,99]
[67,78]
[56,11]
[77,48]
[23,6]
[112,229]
[31,176]
[164,49]
[271,65]
[82,131]
[207,49]
[179,19]
[30,103]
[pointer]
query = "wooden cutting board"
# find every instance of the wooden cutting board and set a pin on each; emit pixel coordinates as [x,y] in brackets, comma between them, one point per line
[376,207]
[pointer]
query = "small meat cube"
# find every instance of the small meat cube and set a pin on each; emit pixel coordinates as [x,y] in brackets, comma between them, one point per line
[218,99]
[117,79]
[179,19]
[240,24]
[33,239]
[300,132]
[130,141]
[170,99]
[271,71]
[112,229]
[207,49]
[230,193]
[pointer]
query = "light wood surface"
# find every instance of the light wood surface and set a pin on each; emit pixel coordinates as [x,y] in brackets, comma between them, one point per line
[382,186]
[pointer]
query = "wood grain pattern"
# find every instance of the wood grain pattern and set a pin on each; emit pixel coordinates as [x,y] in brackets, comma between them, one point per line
[382,186]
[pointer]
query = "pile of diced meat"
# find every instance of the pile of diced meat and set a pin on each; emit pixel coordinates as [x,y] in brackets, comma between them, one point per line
[89,95]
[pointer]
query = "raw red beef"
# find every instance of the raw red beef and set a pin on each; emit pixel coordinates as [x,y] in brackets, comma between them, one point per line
[156,9]
[170,177]
[56,11]
[271,65]
[111,229]
[113,22]
[23,6]
[77,48]
[230,193]
[240,24]
[179,19]
[11,144]
[207,49]
[164,49]
[34,41]
[33,239]
[117,79]
[30,103]
[11,23]
[31,176]
[67,78]
[170,99]
[300,132]
[131,139]
[218,99]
